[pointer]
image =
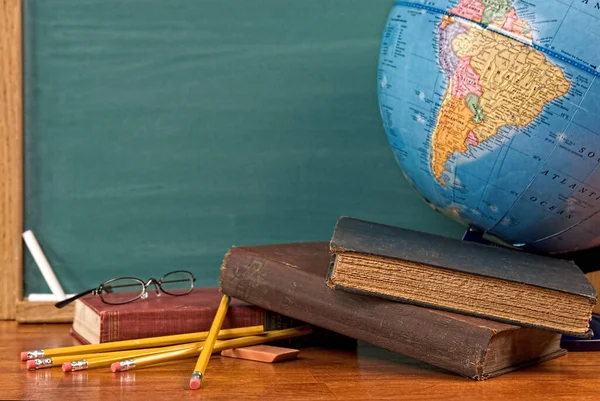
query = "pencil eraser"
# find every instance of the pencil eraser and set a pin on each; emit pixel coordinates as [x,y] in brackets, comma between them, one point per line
[195,383]
[262,353]
[31,364]
[24,356]
[115,367]
[67,367]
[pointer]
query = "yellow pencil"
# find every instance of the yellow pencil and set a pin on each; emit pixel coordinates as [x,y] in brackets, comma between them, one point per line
[139,343]
[104,360]
[149,360]
[41,363]
[209,343]
[47,362]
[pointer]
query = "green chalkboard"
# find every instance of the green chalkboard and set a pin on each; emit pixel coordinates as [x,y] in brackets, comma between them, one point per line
[160,133]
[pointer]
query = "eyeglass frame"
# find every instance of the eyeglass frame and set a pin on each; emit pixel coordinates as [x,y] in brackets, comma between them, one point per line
[143,294]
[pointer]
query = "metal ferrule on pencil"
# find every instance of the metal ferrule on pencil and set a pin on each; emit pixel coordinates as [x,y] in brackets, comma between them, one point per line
[126,365]
[196,375]
[41,363]
[81,364]
[35,354]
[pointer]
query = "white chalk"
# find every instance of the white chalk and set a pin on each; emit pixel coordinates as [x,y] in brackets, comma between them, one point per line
[45,297]
[43,265]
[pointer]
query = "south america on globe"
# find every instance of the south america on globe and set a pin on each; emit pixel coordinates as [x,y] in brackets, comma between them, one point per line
[491,109]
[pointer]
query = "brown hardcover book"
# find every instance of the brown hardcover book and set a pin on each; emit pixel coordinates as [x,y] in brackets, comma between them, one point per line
[290,279]
[96,322]
[479,280]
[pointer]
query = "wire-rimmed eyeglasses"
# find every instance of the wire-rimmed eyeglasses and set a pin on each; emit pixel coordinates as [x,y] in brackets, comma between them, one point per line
[122,290]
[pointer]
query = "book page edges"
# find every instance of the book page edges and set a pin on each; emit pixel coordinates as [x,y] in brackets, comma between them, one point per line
[86,322]
[349,276]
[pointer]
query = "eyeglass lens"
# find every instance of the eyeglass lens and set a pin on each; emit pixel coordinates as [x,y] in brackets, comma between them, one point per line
[177,283]
[122,290]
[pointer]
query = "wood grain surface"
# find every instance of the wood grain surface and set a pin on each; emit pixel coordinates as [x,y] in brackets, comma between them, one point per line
[11,164]
[594,278]
[327,374]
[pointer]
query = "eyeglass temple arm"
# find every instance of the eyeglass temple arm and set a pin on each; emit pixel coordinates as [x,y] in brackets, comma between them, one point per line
[67,301]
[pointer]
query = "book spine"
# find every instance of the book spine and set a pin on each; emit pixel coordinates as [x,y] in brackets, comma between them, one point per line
[330,270]
[124,325]
[429,336]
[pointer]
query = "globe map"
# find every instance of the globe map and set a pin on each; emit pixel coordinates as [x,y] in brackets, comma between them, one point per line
[491,109]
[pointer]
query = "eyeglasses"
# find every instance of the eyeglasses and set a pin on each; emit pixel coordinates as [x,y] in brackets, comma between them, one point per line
[123,290]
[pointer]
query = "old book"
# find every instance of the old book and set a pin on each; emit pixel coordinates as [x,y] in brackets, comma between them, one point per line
[290,279]
[96,322]
[480,280]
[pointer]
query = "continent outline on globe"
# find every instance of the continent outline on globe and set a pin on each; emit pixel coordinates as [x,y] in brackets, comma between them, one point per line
[511,98]
[512,81]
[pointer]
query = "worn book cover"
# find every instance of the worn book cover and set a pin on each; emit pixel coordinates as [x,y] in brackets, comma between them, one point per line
[480,280]
[96,322]
[290,279]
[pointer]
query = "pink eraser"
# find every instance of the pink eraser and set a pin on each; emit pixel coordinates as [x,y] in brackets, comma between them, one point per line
[115,367]
[195,383]
[67,367]
[31,364]
[24,356]
[262,353]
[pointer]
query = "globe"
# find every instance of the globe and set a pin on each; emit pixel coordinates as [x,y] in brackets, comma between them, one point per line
[491,110]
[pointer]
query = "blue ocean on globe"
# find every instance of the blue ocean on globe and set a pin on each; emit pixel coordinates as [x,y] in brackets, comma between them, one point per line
[491,109]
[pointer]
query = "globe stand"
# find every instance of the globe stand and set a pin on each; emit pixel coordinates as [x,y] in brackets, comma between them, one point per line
[582,259]
[474,235]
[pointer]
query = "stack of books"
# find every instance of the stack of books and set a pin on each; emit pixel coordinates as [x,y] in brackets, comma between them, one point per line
[476,310]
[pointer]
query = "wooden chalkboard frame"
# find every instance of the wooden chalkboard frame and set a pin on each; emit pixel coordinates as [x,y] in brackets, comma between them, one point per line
[12,305]
[11,157]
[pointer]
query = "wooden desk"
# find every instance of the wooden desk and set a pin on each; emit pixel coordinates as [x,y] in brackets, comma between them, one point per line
[369,373]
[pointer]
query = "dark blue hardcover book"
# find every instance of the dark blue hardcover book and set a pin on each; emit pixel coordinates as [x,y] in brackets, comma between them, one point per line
[492,282]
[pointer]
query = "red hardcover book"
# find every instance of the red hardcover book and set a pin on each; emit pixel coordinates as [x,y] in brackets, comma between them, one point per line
[96,322]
